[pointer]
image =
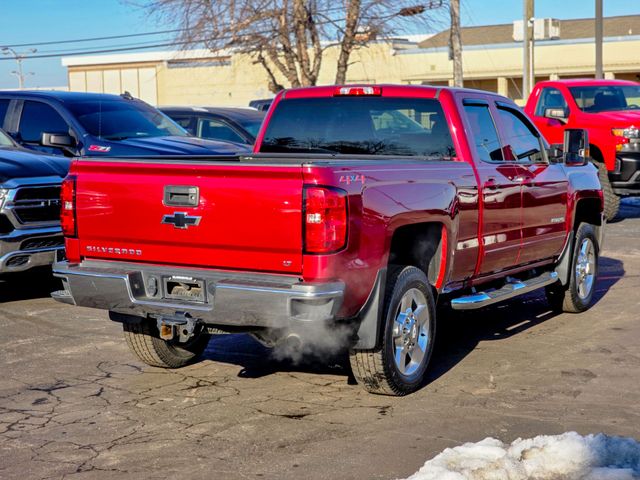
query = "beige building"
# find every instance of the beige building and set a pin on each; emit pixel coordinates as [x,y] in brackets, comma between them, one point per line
[492,60]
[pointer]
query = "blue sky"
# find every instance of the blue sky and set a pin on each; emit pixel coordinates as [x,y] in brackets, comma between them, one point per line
[29,21]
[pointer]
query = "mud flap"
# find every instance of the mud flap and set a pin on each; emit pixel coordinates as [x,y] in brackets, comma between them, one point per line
[564,262]
[368,333]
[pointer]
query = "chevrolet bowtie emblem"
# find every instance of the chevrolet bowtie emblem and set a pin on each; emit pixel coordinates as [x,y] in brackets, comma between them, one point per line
[181,220]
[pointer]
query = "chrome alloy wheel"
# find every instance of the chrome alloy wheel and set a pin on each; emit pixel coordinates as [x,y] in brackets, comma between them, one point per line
[411,332]
[585,270]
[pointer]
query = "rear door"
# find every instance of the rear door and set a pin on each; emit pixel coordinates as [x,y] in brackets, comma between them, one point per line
[544,187]
[500,182]
[198,213]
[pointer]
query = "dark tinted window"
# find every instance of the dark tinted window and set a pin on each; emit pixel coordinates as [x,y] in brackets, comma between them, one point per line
[521,141]
[550,98]
[485,135]
[4,106]
[217,130]
[360,125]
[251,126]
[188,123]
[38,117]
[121,119]
[606,97]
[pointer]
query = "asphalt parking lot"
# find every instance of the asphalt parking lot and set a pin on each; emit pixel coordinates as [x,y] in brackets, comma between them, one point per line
[74,403]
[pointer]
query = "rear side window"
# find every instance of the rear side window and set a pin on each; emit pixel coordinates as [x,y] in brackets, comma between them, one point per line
[485,135]
[360,126]
[38,117]
[4,106]
[550,98]
[217,130]
[520,139]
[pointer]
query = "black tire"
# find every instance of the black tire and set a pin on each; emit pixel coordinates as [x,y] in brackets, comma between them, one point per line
[377,369]
[611,200]
[144,341]
[571,298]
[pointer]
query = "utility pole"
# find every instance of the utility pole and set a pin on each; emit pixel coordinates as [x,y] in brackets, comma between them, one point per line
[455,44]
[599,35]
[528,76]
[18,57]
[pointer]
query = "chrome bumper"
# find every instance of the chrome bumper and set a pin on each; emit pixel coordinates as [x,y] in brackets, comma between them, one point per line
[16,257]
[231,299]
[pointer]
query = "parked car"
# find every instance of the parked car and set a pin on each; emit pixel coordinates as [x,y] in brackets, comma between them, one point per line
[360,210]
[73,124]
[610,111]
[30,234]
[262,104]
[239,125]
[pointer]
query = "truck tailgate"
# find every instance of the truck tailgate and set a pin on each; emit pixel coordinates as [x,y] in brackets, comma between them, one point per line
[245,217]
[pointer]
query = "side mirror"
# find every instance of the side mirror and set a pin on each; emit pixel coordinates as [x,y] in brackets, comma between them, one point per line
[63,141]
[560,114]
[576,146]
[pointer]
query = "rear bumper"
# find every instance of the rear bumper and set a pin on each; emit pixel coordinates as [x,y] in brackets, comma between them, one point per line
[625,180]
[229,299]
[22,249]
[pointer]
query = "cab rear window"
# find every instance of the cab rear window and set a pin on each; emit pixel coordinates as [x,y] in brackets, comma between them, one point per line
[360,126]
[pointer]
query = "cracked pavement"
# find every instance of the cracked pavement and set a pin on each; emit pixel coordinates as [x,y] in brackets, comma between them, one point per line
[74,403]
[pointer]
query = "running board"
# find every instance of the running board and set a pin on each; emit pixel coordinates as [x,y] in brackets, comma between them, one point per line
[510,290]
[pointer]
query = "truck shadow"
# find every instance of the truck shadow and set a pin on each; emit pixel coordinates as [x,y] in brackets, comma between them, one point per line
[28,285]
[629,208]
[459,333]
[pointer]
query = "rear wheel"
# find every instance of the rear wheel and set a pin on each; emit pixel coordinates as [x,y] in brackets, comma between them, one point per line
[578,294]
[611,200]
[398,367]
[144,341]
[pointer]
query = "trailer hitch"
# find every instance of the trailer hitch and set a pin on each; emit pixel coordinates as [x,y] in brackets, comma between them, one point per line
[180,325]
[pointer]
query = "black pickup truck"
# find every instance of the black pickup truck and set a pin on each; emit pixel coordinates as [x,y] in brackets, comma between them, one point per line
[30,234]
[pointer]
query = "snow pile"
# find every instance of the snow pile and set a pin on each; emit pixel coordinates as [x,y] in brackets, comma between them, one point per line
[562,457]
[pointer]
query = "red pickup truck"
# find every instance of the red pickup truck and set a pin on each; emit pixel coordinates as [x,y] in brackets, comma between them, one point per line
[361,209]
[610,111]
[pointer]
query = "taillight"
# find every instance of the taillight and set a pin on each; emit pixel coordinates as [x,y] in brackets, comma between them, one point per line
[68,210]
[325,219]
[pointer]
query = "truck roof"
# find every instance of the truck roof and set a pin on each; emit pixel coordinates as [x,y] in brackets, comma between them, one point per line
[60,95]
[587,82]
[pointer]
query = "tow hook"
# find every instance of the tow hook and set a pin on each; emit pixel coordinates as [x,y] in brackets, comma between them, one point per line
[180,325]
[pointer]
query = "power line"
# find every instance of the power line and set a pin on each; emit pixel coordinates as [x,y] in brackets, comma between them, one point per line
[65,51]
[95,39]
[115,49]
[108,50]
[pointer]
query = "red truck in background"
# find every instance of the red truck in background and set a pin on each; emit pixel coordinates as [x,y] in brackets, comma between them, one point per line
[361,208]
[610,111]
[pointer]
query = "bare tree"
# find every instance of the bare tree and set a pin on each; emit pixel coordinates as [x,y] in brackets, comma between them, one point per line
[288,38]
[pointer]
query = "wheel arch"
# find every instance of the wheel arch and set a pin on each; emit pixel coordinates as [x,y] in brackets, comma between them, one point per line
[423,245]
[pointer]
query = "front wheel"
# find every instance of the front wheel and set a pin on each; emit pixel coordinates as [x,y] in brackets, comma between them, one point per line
[144,341]
[577,295]
[398,367]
